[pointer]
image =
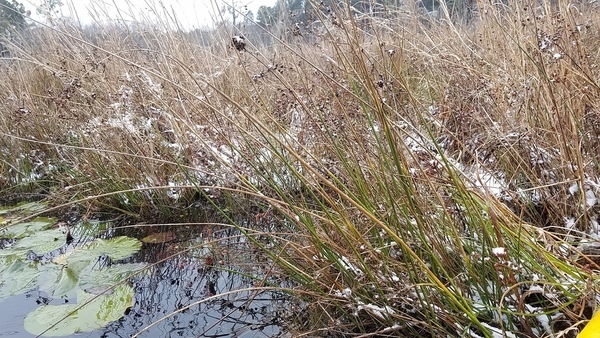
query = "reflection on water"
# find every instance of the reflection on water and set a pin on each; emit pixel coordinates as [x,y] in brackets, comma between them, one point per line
[199,275]
[174,286]
[189,295]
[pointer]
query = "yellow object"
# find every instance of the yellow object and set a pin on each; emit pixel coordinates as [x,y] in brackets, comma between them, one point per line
[592,329]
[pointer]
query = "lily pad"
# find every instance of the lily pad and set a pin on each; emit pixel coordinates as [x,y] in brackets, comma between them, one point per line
[67,280]
[88,315]
[21,230]
[16,276]
[115,248]
[80,268]
[41,242]
[97,280]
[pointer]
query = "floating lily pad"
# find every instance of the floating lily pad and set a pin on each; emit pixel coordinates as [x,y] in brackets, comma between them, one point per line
[67,280]
[67,274]
[25,229]
[95,280]
[160,237]
[80,317]
[41,242]
[80,268]
[16,276]
[116,248]
[62,276]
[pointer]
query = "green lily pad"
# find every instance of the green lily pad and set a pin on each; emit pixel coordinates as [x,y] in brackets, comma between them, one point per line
[67,280]
[95,280]
[50,279]
[41,242]
[62,276]
[97,313]
[116,248]
[77,260]
[80,268]
[21,230]
[17,276]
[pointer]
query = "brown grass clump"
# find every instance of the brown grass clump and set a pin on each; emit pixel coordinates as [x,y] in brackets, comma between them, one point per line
[424,176]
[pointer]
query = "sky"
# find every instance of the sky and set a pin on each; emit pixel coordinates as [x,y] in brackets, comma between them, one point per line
[190,13]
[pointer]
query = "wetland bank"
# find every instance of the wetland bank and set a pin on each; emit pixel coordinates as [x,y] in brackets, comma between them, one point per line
[360,173]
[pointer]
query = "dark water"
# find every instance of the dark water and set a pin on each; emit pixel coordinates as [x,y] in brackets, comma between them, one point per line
[209,279]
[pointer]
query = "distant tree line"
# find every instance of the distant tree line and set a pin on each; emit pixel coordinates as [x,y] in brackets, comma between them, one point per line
[302,11]
[13,19]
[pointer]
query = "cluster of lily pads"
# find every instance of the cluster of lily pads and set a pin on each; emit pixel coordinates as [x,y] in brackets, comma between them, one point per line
[35,255]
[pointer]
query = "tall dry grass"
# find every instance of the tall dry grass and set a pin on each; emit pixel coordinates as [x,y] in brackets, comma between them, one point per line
[422,176]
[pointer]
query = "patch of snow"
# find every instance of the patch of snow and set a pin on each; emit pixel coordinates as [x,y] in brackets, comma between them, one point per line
[573,189]
[173,193]
[346,293]
[484,180]
[124,122]
[569,222]
[498,333]
[348,266]
[499,251]
[380,312]
[590,198]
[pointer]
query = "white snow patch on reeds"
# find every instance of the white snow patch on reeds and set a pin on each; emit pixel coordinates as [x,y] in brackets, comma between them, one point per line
[381,313]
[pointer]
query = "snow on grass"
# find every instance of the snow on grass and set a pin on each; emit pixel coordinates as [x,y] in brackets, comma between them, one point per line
[345,263]
[381,313]
[499,252]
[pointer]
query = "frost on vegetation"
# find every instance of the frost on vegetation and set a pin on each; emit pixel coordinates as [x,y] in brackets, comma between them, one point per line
[177,148]
[31,167]
[275,170]
[225,154]
[156,88]
[590,198]
[590,188]
[482,179]
[125,122]
[346,293]
[345,263]
[570,222]
[296,123]
[498,333]
[539,155]
[173,193]
[381,313]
